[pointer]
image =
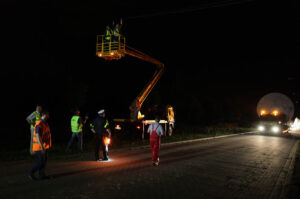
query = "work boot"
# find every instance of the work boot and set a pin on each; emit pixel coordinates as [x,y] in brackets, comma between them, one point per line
[31,177]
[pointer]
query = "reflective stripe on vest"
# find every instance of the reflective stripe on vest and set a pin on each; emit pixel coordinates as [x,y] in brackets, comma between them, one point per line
[75,126]
[107,34]
[106,124]
[44,134]
[37,118]
[116,32]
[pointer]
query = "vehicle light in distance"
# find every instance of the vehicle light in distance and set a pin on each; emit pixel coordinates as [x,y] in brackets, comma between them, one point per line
[275,129]
[262,112]
[261,128]
[275,113]
[118,127]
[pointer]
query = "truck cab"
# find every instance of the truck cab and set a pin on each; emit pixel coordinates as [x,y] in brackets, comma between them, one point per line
[272,123]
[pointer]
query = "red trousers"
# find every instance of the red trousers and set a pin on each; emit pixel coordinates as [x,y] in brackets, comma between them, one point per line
[155,145]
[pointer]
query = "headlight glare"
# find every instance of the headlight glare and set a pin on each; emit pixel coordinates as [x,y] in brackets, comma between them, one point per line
[261,128]
[275,129]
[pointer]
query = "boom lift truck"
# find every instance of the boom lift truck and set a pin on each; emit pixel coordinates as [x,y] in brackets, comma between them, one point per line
[116,49]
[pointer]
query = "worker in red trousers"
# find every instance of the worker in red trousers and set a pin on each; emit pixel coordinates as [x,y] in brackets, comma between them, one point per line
[156,131]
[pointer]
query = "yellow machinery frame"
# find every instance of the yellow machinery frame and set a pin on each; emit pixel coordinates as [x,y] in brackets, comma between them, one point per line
[112,48]
[116,48]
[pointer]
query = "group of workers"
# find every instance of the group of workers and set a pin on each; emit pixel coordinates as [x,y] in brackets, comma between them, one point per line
[112,34]
[40,141]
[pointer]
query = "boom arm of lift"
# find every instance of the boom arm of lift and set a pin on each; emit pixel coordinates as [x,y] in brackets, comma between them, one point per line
[110,49]
[136,105]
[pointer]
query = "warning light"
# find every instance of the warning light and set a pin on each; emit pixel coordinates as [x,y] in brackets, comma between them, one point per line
[262,112]
[112,53]
[138,127]
[100,54]
[275,113]
[118,127]
[107,141]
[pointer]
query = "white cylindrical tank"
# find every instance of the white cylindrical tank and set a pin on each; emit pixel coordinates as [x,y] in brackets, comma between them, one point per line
[273,102]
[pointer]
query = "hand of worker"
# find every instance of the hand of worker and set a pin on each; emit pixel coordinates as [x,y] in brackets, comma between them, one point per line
[86,117]
[109,132]
[93,130]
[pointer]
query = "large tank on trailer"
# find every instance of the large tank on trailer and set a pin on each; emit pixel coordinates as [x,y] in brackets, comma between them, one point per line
[275,111]
[276,104]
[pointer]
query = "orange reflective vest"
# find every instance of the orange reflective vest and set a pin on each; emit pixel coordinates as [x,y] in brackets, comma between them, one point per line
[44,134]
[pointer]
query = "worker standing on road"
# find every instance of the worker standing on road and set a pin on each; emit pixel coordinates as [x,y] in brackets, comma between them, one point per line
[100,126]
[76,127]
[156,131]
[171,119]
[32,119]
[41,144]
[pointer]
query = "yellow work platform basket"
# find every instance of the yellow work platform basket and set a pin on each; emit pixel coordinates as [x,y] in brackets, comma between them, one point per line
[110,47]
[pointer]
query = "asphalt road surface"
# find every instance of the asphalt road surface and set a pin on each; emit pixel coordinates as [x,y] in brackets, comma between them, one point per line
[243,166]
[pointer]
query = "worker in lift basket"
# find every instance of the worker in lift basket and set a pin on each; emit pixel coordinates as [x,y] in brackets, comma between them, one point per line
[156,131]
[116,32]
[108,33]
[101,128]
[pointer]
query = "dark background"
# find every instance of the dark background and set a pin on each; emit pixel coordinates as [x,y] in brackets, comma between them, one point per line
[221,57]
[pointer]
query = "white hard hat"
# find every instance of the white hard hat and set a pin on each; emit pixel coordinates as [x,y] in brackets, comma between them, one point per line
[101,111]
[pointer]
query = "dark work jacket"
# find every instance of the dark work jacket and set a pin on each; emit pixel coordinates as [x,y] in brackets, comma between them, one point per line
[99,126]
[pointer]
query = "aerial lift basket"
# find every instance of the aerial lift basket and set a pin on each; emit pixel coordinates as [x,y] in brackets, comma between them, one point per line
[114,48]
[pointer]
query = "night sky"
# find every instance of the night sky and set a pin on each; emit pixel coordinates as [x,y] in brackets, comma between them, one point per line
[219,55]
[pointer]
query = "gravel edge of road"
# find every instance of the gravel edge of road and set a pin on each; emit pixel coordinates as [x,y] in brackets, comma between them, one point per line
[290,171]
[284,180]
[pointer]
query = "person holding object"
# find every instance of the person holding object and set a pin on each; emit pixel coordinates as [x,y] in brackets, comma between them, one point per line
[40,145]
[156,131]
[100,126]
[32,119]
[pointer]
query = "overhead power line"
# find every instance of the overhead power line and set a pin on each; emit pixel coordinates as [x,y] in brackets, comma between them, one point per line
[191,9]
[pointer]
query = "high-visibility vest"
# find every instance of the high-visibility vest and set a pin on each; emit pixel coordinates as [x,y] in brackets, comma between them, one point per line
[106,124]
[107,34]
[170,114]
[75,126]
[116,32]
[44,134]
[37,118]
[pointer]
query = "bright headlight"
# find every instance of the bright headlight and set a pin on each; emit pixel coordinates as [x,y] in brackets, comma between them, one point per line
[275,129]
[261,128]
